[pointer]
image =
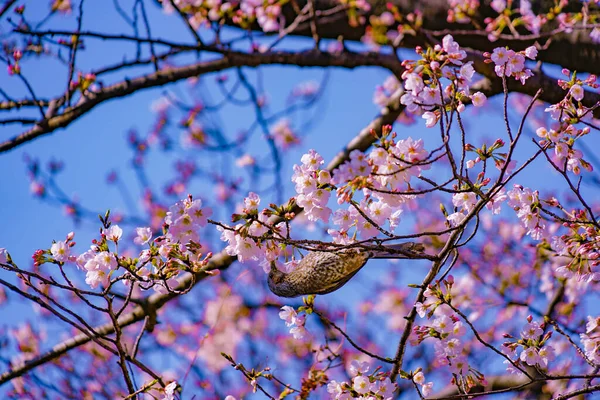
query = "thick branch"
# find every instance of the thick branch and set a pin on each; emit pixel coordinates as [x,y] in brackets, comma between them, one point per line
[551,92]
[575,50]
[171,75]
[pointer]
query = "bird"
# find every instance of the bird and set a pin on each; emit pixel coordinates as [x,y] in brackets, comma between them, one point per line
[322,272]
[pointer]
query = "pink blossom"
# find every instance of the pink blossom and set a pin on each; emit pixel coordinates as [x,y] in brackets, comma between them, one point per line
[83,258]
[419,378]
[430,119]
[60,251]
[288,314]
[252,201]
[427,389]
[366,229]
[530,356]
[385,388]
[299,332]
[335,388]
[113,233]
[456,218]
[268,17]
[144,235]
[455,54]
[163,287]
[106,260]
[478,99]
[170,391]
[577,92]
[443,324]
[359,367]
[516,63]
[496,202]
[379,212]
[394,219]
[464,200]
[430,96]
[522,76]
[531,52]
[414,83]
[459,365]
[96,277]
[246,249]
[361,384]
[498,5]
[409,100]
[311,160]
[500,56]
[542,132]
[546,354]
[467,71]
[144,257]
[198,214]
[592,324]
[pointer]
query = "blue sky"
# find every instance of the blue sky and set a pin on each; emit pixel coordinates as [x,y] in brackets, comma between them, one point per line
[96,143]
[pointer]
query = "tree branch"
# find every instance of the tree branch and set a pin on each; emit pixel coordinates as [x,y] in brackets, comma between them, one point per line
[220,261]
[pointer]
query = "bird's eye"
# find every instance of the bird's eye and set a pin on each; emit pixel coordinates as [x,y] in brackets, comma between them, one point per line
[276,276]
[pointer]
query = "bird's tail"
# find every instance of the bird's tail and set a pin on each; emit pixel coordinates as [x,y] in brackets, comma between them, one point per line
[402,250]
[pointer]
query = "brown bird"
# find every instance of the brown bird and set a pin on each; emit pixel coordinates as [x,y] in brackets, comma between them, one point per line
[321,272]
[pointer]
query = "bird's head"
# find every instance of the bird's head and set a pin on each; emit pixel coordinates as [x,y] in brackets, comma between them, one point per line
[278,284]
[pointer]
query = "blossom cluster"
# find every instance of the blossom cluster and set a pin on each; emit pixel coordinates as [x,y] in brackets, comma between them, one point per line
[382,176]
[591,339]
[533,346]
[448,331]
[512,14]
[526,202]
[157,267]
[511,63]
[255,239]
[579,250]
[465,199]
[294,321]
[569,111]
[423,81]
[462,11]
[266,13]
[363,386]
[312,185]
